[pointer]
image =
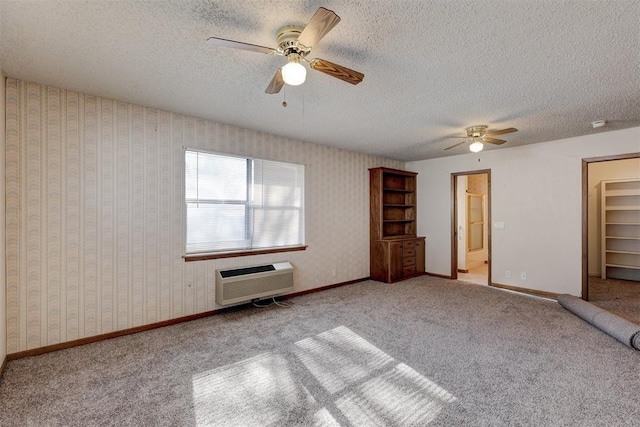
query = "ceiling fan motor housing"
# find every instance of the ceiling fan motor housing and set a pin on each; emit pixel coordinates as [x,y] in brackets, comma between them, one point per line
[288,41]
[476,131]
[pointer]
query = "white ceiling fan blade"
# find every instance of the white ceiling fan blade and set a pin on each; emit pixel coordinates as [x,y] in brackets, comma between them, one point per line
[218,42]
[319,25]
[276,82]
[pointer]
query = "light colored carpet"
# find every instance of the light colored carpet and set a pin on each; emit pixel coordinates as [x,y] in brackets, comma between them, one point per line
[425,351]
[621,297]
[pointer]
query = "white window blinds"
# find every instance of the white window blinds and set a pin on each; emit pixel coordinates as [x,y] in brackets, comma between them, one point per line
[237,203]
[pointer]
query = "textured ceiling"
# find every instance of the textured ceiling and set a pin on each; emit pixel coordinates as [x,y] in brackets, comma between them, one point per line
[432,68]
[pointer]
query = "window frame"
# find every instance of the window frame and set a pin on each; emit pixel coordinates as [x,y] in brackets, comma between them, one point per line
[205,255]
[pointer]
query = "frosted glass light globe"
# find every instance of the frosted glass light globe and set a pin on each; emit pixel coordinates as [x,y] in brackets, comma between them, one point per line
[294,73]
[476,147]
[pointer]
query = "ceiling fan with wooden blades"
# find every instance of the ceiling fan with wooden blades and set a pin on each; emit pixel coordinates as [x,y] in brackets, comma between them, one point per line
[478,134]
[295,43]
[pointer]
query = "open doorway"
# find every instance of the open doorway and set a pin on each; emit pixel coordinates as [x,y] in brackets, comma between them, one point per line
[471,239]
[611,234]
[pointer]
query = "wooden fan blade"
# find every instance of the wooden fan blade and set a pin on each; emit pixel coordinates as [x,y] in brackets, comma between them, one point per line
[493,140]
[454,146]
[456,137]
[215,41]
[501,132]
[319,25]
[337,71]
[276,82]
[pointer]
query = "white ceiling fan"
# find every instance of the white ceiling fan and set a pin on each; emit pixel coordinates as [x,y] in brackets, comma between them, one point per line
[295,43]
[478,134]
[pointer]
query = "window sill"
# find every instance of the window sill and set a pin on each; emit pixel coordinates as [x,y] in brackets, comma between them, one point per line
[218,255]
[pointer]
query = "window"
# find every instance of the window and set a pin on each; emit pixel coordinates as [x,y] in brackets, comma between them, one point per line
[236,203]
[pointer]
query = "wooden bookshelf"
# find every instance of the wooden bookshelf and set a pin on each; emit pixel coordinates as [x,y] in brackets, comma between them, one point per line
[396,252]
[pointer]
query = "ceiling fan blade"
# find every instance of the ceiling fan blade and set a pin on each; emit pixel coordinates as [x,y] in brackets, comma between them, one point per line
[456,137]
[337,71]
[454,146]
[319,25]
[215,41]
[501,132]
[276,82]
[493,140]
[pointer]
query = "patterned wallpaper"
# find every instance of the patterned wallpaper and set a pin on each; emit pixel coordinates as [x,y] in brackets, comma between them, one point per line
[95,214]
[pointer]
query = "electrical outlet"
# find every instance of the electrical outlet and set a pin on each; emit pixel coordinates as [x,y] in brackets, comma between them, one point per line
[507,274]
[523,276]
[334,272]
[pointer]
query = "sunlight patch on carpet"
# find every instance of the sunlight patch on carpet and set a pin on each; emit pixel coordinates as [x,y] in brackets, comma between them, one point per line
[400,396]
[257,391]
[358,383]
[379,390]
[339,358]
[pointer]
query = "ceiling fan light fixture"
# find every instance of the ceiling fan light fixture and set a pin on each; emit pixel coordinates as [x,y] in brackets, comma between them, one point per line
[476,146]
[294,73]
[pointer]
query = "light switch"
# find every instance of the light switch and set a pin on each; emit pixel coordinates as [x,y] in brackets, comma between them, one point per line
[498,225]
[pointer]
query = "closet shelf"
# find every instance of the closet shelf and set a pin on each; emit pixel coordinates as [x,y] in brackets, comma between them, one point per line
[622,208]
[622,193]
[632,267]
[620,235]
[617,251]
[623,237]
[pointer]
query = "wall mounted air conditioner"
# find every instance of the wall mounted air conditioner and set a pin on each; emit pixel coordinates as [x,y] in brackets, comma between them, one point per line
[248,283]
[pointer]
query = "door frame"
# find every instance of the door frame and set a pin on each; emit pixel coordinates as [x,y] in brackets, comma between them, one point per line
[585,213]
[454,220]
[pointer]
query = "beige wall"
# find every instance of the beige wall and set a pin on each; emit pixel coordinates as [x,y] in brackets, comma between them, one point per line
[602,171]
[95,218]
[3,283]
[536,192]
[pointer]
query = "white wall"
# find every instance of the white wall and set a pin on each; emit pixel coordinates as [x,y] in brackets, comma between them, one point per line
[536,192]
[602,171]
[95,214]
[3,282]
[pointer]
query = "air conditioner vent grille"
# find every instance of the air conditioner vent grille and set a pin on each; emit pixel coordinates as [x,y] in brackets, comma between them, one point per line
[247,283]
[247,270]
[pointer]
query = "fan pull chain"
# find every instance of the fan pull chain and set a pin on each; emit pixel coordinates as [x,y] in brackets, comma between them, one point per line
[284,97]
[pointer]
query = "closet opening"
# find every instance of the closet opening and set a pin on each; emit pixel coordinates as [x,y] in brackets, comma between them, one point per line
[611,233]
